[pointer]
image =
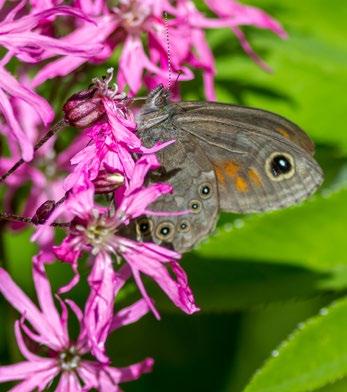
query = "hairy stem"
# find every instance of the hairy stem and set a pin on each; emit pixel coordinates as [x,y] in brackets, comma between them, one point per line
[38,145]
[23,219]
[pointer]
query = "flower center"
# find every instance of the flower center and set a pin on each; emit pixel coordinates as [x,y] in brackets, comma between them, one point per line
[133,15]
[99,232]
[69,359]
[104,88]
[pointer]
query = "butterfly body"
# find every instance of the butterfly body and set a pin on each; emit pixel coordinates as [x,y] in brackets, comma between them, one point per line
[224,158]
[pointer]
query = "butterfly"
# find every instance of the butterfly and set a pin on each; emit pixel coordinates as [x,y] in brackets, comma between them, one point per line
[224,158]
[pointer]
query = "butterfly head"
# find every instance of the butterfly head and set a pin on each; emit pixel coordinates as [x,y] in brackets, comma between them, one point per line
[155,110]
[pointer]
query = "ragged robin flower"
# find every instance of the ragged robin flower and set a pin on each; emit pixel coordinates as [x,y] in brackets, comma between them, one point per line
[50,354]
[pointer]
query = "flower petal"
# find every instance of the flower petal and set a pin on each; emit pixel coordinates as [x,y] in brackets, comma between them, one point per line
[73,282]
[130,314]
[99,306]
[12,87]
[69,383]
[147,258]
[249,50]
[130,373]
[122,129]
[37,380]
[107,378]
[28,22]
[207,62]
[32,47]
[61,67]
[27,149]
[68,251]
[27,369]
[157,147]
[143,291]
[16,297]
[131,63]
[135,204]
[22,346]
[44,295]
[141,169]
[89,374]
[241,14]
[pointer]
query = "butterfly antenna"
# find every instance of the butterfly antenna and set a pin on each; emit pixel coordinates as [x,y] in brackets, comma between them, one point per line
[179,73]
[168,49]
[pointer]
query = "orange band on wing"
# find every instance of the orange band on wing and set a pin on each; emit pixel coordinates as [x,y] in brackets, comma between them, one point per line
[219,174]
[254,176]
[241,184]
[283,132]
[231,168]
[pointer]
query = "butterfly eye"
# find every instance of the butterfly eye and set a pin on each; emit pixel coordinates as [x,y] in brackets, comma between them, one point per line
[184,226]
[280,166]
[195,206]
[144,226]
[205,191]
[165,231]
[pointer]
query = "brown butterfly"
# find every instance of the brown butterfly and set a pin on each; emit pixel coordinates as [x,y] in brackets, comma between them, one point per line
[225,158]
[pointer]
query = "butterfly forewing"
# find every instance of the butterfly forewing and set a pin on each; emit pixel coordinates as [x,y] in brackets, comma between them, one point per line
[245,147]
[225,157]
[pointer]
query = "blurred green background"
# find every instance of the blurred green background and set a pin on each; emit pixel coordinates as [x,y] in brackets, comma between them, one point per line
[261,277]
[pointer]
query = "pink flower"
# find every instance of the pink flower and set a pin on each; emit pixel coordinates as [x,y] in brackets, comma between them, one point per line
[21,38]
[100,319]
[23,41]
[95,230]
[45,175]
[146,37]
[111,130]
[233,14]
[11,88]
[48,331]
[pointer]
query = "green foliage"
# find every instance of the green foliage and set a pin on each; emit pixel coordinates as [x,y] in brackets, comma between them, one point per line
[286,257]
[315,354]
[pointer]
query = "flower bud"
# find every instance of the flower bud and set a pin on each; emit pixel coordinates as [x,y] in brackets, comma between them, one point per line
[107,182]
[43,212]
[84,108]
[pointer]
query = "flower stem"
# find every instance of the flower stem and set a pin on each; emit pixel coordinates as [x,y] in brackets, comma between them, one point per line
[23,219]
[38,145]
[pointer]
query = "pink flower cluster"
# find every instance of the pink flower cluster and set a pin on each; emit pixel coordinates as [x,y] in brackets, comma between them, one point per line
[105,165]
[95,187]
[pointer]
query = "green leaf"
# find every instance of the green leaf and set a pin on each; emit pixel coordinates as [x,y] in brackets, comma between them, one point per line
[311,235]
[290,254]
[314,355]
[338,386]
[263,329]
[227,285]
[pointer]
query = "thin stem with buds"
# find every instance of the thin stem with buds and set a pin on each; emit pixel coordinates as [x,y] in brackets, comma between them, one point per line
[24,219]
[38,145]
